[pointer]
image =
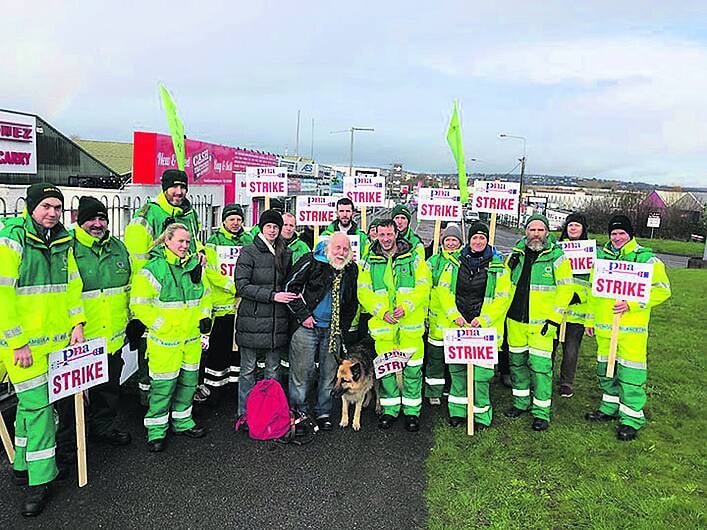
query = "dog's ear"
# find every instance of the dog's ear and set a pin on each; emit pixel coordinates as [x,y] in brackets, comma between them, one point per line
[356,371]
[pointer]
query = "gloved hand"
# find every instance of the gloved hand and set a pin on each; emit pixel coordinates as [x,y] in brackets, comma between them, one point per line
[134,331]
[195,274]
[205,326]
[513,261]
[547,325]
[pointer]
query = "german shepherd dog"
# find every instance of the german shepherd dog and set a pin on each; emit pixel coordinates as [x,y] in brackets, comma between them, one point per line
[355,382]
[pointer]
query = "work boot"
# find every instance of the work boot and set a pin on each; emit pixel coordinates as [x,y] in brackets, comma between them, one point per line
[626,433]
[456,421]
[514,412]
[598,415]
[385,421]
[113,437]
[412,423]
[540,424]
[480,427]
[194,432]
[157,446]
[36,500]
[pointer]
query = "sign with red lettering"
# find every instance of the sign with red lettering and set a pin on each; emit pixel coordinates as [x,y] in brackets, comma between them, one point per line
[266,181]
[390,362]
[622,280]
[495,197]
[77,368]
[18,143]
[582,254]
[442,204]
[315,209]
[365,191]
[471,346]
[226,258]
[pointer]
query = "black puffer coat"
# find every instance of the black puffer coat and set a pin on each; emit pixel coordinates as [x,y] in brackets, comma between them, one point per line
[261,322]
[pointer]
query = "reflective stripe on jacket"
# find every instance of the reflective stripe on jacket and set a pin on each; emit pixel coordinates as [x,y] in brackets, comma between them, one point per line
[223,294]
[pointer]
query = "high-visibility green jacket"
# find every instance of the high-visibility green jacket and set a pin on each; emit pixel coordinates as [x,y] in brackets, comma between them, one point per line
[415,241]
[387,282]
[633,324]
[437,264]
[223,294]
[105,272]
[166,300]
[150,221]
[298,247]
[40,295]
[353,229]
[551,283]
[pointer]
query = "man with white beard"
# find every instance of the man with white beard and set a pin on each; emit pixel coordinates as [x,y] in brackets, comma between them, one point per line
[541,289]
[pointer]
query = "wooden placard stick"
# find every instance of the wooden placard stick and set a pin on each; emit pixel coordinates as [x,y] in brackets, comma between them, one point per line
[492,229]
[563,329]
[80,439]
[613,346]
[438,229]
[316,236]
[267,202]
[363,218]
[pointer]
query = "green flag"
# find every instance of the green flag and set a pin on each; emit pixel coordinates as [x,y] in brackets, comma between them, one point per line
[176,127]
[454,139]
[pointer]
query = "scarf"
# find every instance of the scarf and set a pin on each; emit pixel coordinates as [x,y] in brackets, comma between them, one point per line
[335,325]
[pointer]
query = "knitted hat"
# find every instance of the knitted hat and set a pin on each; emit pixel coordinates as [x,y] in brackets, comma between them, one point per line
[232,209]
[90,207]
[575,217]
[452,230]
[621,222]
[270,216]
[174,177]
[538,217]
[36,193]
[400,209]
[478,227]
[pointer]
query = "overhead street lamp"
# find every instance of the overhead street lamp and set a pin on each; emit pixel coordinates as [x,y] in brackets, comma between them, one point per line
[522,169]
[352,130]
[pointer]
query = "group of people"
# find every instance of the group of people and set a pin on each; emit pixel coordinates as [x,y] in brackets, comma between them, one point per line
[290,312]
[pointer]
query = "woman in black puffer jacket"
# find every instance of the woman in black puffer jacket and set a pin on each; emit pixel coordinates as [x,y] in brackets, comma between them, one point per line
[263,318]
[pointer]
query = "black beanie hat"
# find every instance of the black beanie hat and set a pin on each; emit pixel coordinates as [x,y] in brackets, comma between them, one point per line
[621,222]
[270,216]
[173,177]
[36,193]
[232,209]
[478,227]
[575,217]
[90,207]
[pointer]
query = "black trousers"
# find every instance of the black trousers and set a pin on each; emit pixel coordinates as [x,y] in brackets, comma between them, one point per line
[570,352]
[222,365]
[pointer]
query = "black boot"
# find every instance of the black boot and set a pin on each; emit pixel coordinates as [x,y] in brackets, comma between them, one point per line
[456,421]
[540,424]
[385,421]
[626,433]
[412,423]
[36,500]
[598,415]
[514,412]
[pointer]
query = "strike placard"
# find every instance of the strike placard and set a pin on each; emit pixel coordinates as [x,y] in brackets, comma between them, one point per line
[470,346]
[365,191]
[262,181]
[622,280]
[227,258]
[355,247]
[77,368]
[315,209]
[442,204]
[582,254]
[390,362]
[495,197]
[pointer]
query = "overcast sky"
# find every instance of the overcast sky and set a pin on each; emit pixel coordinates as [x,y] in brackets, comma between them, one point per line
[607,89]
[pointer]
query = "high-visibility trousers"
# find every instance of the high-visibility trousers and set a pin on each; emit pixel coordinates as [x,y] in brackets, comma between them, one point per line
[458,400]
[392,399]
[434,371]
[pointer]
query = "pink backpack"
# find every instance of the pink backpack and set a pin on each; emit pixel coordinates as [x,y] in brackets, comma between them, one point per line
[267,412]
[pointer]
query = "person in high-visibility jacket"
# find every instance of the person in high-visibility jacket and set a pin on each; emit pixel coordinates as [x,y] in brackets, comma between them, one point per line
[171,298]
[542,287]
[401,216]
[170,206]
[40,312]
[223,364]
[474,289]
[394,287]
[449,250]
[298,247]
[625,394]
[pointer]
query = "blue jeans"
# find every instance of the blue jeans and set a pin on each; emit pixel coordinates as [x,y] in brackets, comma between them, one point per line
[305,346]
[246,382]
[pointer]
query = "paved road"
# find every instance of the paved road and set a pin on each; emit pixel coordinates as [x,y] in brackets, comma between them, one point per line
[342,479]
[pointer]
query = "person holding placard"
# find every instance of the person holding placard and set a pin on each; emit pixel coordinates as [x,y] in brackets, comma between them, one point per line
[541,289]
[448,252]
[394,287]
[624,394]
[574,229]
[171,297]
[40,312]
[401,216]
[478,295]
[222,364]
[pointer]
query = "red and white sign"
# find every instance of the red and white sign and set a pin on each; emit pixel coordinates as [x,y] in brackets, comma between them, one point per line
[315,209]
[442,204]
[18,143]
[622,280]
[495,197]
[226,258]
[365,191]
[266,181]
[582,254]
[470,346]
[77,368]
[390,363]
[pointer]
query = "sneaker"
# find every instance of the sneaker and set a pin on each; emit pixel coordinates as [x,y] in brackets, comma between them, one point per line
[202,394]
[435,401]
[566,391]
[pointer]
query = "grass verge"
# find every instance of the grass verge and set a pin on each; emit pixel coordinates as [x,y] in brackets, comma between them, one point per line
[576,474]
[667,246]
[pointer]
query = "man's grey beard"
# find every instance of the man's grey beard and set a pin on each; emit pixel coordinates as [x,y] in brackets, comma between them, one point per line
[343,264]
[536,245]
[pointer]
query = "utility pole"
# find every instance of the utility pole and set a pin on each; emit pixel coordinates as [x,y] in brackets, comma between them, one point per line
[297,135]
[352,130]
[522,171]
[311,152]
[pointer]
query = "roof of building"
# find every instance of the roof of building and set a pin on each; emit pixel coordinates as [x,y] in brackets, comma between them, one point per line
[116,155]
[688,202]
[670,197]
